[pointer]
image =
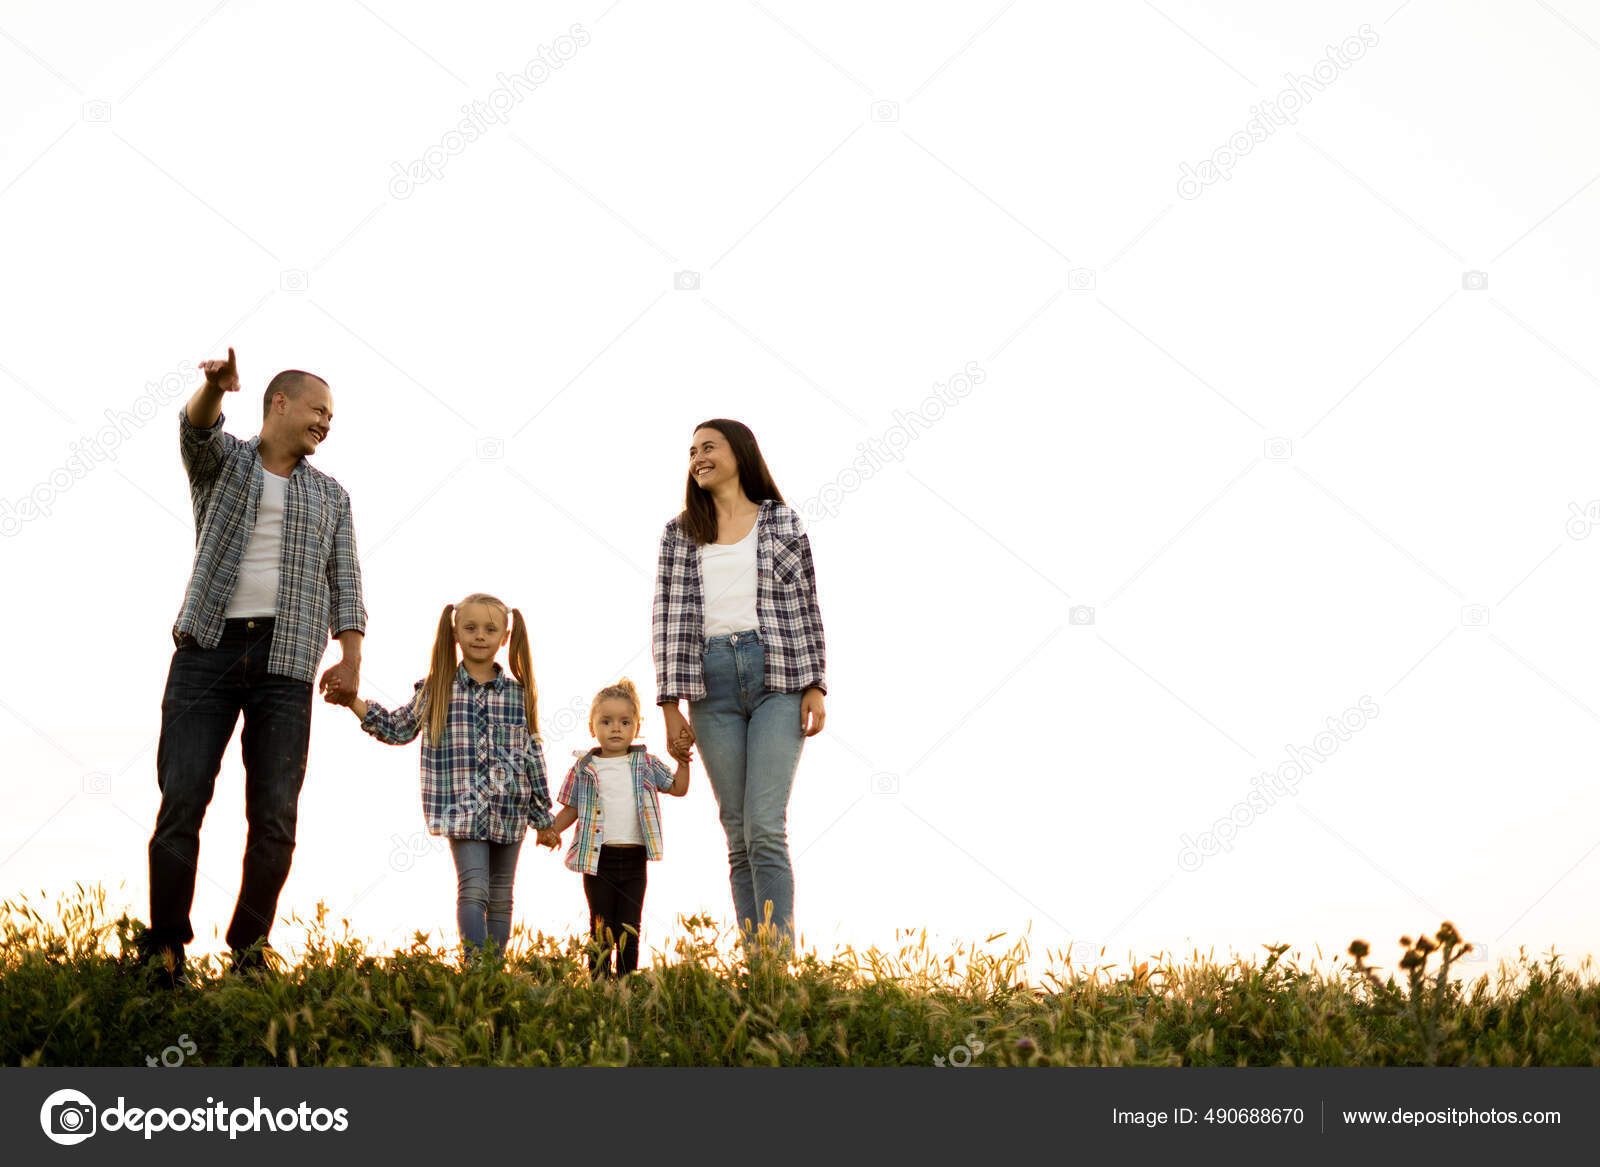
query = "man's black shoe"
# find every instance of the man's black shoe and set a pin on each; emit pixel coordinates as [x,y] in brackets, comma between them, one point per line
[251,960]
[164,962]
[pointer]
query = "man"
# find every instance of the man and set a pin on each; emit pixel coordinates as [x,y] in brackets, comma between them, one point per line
[275,573]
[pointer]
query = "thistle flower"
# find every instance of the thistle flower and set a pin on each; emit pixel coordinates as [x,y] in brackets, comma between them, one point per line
[1358,948]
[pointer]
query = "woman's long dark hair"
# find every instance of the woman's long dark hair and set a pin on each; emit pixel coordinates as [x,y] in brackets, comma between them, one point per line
[699,516]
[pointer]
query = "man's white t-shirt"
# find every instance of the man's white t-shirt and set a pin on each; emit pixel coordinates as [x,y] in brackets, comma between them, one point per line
[619,809]
[256,593]
[728,575]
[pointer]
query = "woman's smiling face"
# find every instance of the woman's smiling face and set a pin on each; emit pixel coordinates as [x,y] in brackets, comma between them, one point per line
[711,461]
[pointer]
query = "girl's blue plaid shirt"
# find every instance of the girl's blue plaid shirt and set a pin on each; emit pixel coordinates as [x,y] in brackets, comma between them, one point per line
[486,778]
[581,792]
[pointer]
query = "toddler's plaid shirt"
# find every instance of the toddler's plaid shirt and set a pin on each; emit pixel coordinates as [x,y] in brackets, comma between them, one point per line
[581,791]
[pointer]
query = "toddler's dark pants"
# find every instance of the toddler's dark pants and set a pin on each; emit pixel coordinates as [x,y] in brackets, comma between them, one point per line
[616,904]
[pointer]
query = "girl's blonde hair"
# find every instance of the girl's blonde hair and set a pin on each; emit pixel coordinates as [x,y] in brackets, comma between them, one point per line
[623,690]
[442,670]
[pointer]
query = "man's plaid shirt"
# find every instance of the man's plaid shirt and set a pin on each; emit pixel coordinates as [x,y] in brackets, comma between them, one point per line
[581,791]
[319,577]
[786,606]
[486,778]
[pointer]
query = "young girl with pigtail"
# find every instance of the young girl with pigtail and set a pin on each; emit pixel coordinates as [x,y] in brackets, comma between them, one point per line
[483,771]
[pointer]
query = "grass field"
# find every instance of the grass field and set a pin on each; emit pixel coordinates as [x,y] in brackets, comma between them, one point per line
[72,994]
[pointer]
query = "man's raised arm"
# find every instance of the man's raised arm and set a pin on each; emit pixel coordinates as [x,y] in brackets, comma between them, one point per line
[201,441]
[206,405]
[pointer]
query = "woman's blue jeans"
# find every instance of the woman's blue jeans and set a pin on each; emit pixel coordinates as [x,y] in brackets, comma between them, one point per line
[484,874]
[749,739]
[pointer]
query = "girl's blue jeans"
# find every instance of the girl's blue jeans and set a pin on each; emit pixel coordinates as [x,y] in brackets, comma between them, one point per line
[484,874]
[750,739]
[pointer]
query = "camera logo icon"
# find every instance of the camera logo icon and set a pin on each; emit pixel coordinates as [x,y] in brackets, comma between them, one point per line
[885,783]
[294,280]
[403,857]
[1475,616]
[490,449]
[1474,281]
[1080,614]
[1081,279]
[97,111]
[1277,449]
[68,1117]
[686,281]
[886,111]
[97,784]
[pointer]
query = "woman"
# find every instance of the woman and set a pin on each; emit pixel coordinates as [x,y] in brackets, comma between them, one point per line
[737,633]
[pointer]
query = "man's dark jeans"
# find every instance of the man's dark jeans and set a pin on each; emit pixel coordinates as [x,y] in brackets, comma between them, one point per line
[207,689]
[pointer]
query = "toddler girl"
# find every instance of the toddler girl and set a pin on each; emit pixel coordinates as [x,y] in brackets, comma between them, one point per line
[610,792]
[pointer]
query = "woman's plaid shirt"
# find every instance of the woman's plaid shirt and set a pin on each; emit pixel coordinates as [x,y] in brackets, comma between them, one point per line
[786,606]
[319,576]
[486,778]
[581,791]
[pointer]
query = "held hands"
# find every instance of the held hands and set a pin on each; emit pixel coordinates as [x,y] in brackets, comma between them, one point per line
[549,837]
[223,375]
[340,684]
[680,734]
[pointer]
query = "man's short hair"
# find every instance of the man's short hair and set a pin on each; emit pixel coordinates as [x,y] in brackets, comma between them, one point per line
[291,383]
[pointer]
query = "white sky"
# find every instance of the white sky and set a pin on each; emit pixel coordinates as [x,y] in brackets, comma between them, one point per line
[175,178]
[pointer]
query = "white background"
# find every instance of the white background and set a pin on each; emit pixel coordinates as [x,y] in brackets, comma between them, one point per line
[516,377]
